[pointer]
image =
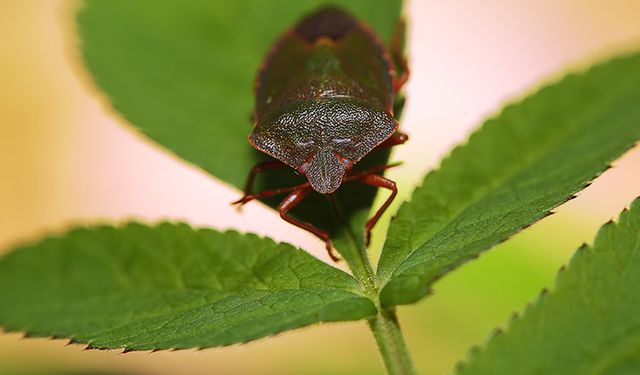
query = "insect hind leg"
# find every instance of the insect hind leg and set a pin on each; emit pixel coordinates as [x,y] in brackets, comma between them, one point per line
[398,57]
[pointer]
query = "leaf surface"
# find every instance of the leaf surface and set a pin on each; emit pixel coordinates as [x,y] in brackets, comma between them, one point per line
[182,73]
[588,324]
[521,164]
[170,286]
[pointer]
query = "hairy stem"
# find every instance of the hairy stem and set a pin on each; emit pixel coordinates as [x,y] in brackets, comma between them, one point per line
[391,343]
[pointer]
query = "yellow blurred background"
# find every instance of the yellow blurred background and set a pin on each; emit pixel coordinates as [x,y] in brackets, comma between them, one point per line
[66,158]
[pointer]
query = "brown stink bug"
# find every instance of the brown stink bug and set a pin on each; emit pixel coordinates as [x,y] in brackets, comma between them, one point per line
[324,100]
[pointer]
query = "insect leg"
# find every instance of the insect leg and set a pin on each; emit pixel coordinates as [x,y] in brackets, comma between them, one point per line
[398,56]
[378,181]
[269,193]
[357,175]
[258,168]
[397,138]
[290,202]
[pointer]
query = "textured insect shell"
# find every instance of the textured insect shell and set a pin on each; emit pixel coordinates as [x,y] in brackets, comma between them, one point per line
[324,98]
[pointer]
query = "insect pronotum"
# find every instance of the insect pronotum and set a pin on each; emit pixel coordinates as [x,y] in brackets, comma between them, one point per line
[324,100]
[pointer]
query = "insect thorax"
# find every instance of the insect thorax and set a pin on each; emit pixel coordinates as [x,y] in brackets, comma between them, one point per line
[322,139]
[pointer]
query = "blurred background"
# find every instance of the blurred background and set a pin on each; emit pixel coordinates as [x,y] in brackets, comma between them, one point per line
[66,158]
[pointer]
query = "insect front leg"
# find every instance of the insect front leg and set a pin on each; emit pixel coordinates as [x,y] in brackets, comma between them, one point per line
[269,193]
[377,181]
[258,168]
[293,200]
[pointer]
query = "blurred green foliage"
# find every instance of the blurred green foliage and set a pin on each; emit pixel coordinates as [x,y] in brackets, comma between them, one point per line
[183,75]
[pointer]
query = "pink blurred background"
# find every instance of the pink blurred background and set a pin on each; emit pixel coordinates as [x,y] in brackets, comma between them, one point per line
[66,158]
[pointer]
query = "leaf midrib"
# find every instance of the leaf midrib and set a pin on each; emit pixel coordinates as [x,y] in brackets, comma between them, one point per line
[156,315]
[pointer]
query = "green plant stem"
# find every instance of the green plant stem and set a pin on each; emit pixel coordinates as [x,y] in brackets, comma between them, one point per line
[384,326]
[391,343]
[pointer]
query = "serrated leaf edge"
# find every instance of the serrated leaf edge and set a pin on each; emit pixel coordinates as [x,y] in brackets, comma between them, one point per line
[544,294]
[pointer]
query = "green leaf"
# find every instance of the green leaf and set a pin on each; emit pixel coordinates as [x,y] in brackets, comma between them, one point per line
[589,323]
[532,157]
[182,73]
[140,288]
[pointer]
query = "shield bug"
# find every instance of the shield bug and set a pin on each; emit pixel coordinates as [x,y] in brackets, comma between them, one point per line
[324,100]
